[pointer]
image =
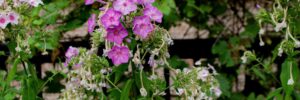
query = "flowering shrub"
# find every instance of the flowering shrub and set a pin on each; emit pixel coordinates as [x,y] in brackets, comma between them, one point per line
[132,43]
[256,55]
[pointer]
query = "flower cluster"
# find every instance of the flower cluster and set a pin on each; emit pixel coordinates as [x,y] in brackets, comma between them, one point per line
[9,16]
[84,76]
[197,83]
[114,22]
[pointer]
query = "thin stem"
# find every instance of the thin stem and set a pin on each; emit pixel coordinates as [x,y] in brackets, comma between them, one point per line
[113,84]
[141,77]
[291,67]
[48,81]
[25,69]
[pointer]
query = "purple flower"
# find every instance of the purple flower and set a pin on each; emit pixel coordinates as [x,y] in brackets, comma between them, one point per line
[153,13]
[145,1]
[142,26]
[91,23]
[71,52]
[124,6]
[3,21]
[119,55]
[116,34]
[89,2]
[111,18]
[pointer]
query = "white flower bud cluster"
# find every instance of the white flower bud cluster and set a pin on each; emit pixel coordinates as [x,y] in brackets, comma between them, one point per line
[81,80]
[197,83]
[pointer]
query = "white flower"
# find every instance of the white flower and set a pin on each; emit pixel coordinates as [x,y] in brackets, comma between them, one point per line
[261,43]
[105,52]
[18,49]
[262,31]
[244,59]
[280,26]
[155,51]
[217,92]
[291,81]
[152,77]
[180,91]
[35,3]
[103,71]
[297,43]
[3,21]
[198,62]
[202,74]
[186,70]
[280,51]
[143,92]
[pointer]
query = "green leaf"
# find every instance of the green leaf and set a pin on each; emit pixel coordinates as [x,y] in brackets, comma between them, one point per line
[27,92]
[225,86]
[119,71]
[274,93]
[13,70]
[251,96]
[126,90]
[259,73]
[285,75]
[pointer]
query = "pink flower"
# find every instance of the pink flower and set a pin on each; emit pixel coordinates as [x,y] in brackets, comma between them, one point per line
[119,55]
[116,34]
[89,2]
[13,17]
[145,1]
[34,3]
[153,13]
[124,6]
[71,52]
[142,26]
[111,18]
[91,23]
[3,21]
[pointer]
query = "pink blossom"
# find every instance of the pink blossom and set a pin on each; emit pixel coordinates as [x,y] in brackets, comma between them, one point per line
[124,6]
[71,52]
[153,13]
[89,2]
[13,17]
[3,21]
[119,55]
[91,23]
[111,18]
[34,3]
[142,26]
[145,1]
[116,34]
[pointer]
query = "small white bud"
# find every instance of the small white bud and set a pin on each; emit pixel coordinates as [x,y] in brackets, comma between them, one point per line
[261,31]
[244,59]
[297,44]
[261,43]
[18,49]
[143,92]
[291,81]
[280,51]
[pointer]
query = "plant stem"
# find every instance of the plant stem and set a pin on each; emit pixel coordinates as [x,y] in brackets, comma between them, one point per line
[113,84]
